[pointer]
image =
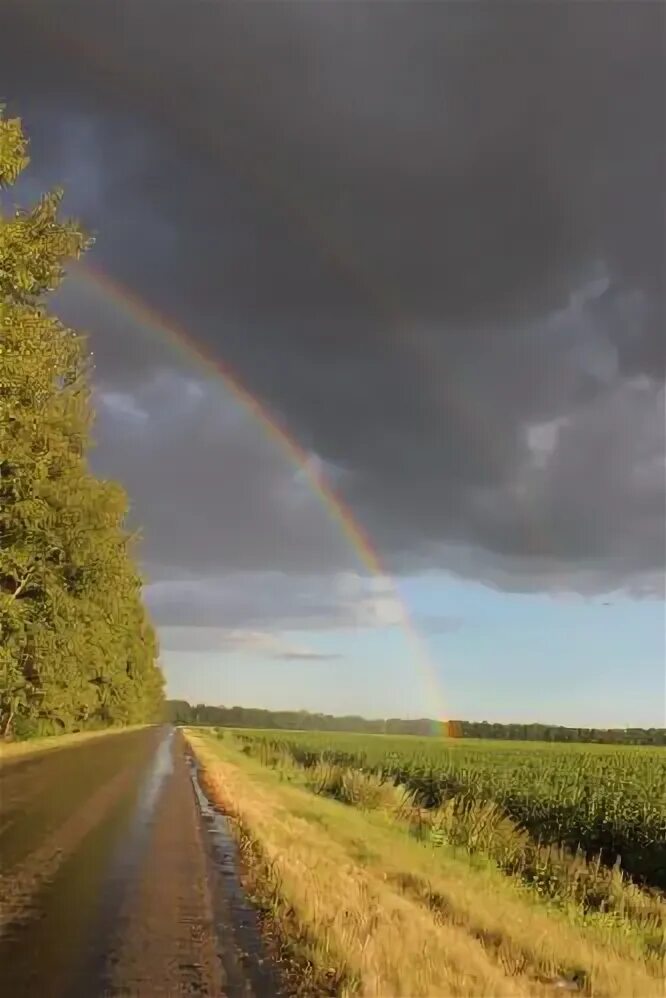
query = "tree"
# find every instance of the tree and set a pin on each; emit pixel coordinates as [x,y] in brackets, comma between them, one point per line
[76,648]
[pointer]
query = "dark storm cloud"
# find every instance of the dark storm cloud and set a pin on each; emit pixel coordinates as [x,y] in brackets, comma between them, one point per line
[209,488]
[429,235]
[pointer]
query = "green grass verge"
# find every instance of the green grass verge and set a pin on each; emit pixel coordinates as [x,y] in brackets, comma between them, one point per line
[530,938]
[35,746]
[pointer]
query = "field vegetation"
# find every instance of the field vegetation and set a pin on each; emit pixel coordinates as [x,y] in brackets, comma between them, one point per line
[182,712]
[375,890]
[604,804]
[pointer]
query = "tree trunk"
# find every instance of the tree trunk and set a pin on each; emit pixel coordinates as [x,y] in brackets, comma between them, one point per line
[7,725]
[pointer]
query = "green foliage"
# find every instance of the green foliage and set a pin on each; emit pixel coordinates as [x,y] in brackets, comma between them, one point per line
[181,712]
[603,800]
[76,649]
[353,786]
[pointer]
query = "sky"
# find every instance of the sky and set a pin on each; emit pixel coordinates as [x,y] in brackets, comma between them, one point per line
[428,240]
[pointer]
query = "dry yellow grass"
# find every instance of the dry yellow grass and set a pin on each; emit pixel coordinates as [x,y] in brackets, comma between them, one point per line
[14,750]
[394,918]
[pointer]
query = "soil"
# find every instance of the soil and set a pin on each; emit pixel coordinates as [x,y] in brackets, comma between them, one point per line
[112,881]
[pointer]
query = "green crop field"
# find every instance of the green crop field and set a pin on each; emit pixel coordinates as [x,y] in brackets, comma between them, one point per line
[607,801]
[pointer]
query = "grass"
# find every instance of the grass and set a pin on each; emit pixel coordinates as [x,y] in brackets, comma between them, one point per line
[33,746]
[371,910]
[605,800]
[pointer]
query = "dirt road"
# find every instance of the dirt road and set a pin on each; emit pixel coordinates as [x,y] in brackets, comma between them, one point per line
[118,878]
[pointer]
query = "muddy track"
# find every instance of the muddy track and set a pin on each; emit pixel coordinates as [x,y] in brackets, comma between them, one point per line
[117,878]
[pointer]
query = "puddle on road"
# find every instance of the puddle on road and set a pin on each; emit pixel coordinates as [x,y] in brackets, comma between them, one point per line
[241,946]
[125,864]
[128,857]
[68,945]
[58,949]
[40,792]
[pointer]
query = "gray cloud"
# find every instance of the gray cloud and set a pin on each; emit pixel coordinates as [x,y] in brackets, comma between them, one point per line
[431,238]
[208,487]
[230,603]
[267,643]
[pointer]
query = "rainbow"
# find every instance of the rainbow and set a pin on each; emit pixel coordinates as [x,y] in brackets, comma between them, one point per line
[340,256]
[148,318]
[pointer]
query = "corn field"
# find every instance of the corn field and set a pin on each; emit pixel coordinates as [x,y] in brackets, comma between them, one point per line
[601,801]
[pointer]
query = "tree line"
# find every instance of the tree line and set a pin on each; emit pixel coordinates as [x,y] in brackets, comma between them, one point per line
[76,647]
[181,712]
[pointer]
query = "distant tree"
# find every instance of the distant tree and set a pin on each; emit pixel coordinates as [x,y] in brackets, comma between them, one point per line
[180,712]
[76,648]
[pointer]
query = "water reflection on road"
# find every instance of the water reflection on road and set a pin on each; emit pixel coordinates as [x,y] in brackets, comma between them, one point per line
[96,840]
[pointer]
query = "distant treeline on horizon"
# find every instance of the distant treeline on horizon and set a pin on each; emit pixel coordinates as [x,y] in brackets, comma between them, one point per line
[181,712]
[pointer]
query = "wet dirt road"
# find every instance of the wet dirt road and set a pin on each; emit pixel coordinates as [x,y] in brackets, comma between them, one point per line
[118,878]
